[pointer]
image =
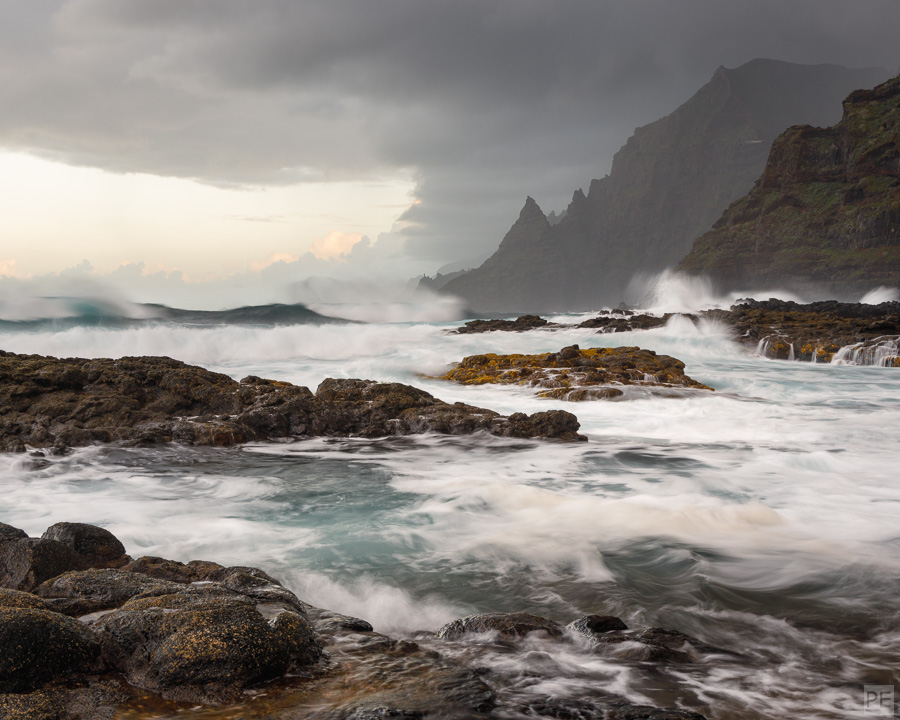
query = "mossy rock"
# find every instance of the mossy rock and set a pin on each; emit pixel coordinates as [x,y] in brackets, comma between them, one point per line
[571,372]
[202,645]
[39,646]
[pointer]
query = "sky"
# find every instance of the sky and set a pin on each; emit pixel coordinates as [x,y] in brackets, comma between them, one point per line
[210,153]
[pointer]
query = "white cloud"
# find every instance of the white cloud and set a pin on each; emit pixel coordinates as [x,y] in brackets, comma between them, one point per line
[334,245]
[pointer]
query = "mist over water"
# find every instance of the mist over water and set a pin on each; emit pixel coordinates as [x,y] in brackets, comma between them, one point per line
[760,518]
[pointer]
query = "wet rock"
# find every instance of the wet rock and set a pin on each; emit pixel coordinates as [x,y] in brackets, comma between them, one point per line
[39,646]
[815,332]
[505,626]
[520,324]
[18,599]
[8,532]
[26,563]
[591,625]
[633,648]
[95,546]
[256,584]
[47,401]
[678,641]
[31,706]
[298,636]
[330,623]
[199,646]
[628,323]
[400,677]
[82,592]
[574,373]
[382,712]
[172,570]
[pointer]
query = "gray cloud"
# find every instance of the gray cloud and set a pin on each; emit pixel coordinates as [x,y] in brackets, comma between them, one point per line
[484,100]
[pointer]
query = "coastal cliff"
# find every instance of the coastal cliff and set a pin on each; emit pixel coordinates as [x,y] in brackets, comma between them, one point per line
[668,184]
[825,214]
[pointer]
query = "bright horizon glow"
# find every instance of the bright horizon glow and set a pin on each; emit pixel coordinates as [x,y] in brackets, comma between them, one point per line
[55,216]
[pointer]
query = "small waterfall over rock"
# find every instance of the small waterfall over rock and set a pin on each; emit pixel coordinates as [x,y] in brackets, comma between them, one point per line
[882,351]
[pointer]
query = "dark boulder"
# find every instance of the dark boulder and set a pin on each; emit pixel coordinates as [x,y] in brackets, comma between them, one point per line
[26,563]
[39,646]
[628,323]
[332,623]
[95,546]
[172,570]
[520,324]
[505,626]
[298,636]
[591,625]
[255,584]
[678,642]
[201,645]
[86,591]
[8,532]
[556,424]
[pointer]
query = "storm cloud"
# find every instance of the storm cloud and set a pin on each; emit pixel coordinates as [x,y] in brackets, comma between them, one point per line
[482,101]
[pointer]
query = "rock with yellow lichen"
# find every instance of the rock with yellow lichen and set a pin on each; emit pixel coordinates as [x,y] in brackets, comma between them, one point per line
[816,332]
[577,374]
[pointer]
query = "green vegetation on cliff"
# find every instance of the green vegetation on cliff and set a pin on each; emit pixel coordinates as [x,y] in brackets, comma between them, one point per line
[825,214]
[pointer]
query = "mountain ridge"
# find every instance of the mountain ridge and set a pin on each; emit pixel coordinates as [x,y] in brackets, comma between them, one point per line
[668,184]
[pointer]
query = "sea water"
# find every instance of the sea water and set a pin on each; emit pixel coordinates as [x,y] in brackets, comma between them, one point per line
[761,518]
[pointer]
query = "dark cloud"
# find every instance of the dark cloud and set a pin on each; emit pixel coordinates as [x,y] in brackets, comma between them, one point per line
[484,100]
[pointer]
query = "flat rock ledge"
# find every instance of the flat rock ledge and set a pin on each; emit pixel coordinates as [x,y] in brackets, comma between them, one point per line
[577,374]
[52,402]
[610,321]
[818,332]
[99,639]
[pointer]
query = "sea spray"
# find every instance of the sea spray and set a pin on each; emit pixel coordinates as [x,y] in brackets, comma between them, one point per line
[760,518]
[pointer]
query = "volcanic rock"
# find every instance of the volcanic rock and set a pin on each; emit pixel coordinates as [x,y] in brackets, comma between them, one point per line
[172,570]
[26,563]
[47,401]
[201,644]
[95,546]
[503,625]
[783,329]
[520,324]
[86,591]
[576,374]
[39,645]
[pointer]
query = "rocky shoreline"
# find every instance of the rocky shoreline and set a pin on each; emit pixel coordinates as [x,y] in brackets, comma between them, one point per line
[49,402]
[90,633]
[776,329]
[815,332]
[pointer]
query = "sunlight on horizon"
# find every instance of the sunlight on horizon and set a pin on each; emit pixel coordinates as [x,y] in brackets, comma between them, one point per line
[57,216]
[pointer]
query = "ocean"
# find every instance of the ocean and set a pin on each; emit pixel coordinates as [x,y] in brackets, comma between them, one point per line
[761,518]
